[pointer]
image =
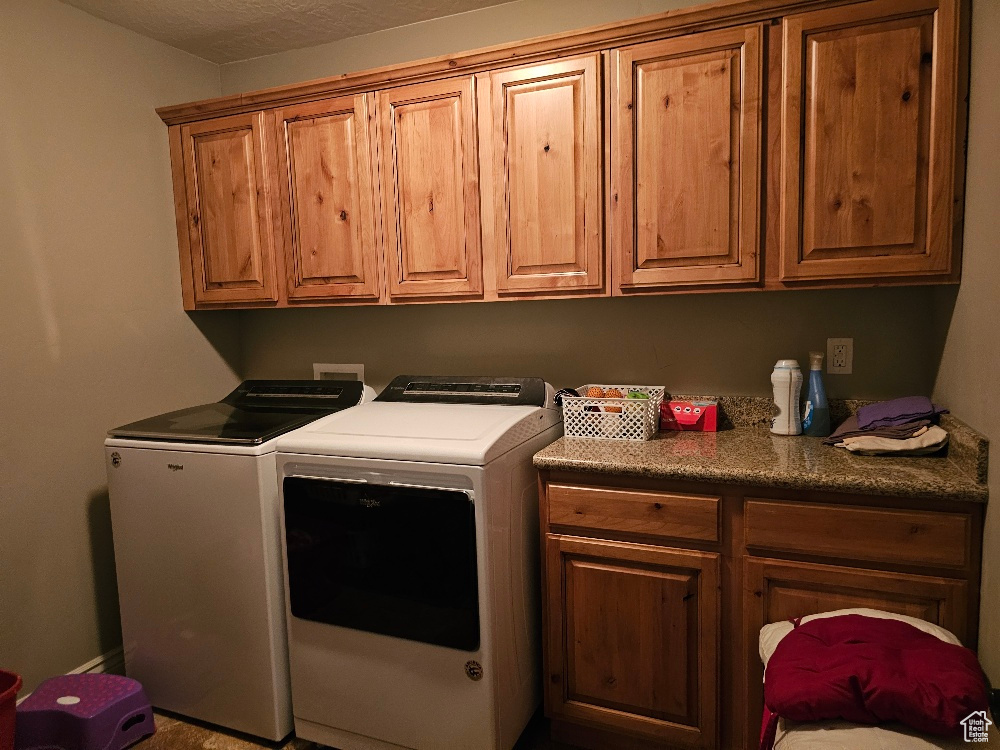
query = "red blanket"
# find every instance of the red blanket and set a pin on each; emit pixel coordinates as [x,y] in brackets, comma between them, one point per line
[869,671]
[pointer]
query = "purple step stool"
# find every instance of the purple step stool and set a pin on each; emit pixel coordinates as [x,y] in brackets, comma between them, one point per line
[84,712]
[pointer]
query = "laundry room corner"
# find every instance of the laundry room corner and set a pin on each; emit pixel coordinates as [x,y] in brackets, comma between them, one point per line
[91,333]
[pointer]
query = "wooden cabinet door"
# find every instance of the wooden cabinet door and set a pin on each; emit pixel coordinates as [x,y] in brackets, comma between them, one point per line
[430,189]
[868,140]
[330,203]
[632,639]
[541,156]
[685,155]
[776,590]
[230,224]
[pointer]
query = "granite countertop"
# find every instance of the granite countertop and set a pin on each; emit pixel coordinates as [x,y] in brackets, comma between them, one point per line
[753,456]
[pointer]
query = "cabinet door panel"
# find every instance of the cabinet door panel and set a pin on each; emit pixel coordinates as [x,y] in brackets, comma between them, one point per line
[545,155]
[633,638]
[229,214]
[784,590]
[686,160]
[776,590]
[867,140]
[330,199]
[431,211]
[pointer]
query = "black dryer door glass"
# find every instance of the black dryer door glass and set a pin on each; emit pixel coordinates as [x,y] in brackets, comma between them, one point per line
[398,561]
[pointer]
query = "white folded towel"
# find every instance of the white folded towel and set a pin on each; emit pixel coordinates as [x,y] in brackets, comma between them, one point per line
[927,440]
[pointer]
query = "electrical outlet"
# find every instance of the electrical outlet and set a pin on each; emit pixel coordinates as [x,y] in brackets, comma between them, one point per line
[840,356]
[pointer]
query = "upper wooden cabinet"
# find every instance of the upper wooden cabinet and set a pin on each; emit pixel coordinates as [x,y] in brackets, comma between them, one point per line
[869,140]
[225,206]
[685,155]
[327,179]
[540,150]
[430,200]
[633,158]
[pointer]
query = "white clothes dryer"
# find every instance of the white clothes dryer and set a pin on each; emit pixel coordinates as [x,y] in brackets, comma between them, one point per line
[411,562]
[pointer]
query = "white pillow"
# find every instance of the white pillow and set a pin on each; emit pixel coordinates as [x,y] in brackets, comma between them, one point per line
[771,635]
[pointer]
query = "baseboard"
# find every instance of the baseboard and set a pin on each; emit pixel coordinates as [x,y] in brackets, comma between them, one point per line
[112,662]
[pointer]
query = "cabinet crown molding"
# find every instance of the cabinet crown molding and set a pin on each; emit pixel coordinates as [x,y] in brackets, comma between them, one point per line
[591,39]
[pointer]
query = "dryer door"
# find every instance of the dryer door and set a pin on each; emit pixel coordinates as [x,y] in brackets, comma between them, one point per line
[400,561]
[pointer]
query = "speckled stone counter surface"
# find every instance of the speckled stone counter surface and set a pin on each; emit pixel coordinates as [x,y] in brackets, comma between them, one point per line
[749,454]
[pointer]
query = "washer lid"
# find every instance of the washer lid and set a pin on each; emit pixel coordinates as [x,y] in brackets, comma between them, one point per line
[468,434]
[255,412]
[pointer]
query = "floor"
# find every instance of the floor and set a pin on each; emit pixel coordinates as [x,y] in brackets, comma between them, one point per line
[177,733]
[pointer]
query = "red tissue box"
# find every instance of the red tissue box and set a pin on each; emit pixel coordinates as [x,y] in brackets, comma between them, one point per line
[697,416]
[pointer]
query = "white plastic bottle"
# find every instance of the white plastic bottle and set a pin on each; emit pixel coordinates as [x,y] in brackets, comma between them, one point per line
[787,381]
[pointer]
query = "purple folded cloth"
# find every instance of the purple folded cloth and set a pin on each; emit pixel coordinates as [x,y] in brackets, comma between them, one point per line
[896,412]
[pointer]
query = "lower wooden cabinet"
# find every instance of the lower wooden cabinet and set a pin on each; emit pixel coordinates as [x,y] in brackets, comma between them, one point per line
[633,638]
[655,593]
[776,590]
[779,590]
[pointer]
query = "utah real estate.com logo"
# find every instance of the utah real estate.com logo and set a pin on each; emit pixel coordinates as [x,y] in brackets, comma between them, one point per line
[976,726]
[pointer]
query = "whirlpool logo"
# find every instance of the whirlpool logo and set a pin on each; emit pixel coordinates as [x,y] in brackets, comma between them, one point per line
[367,502]
[175,467]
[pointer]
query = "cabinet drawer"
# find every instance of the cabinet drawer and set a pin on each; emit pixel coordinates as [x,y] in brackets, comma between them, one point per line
[883,535]
[659,514]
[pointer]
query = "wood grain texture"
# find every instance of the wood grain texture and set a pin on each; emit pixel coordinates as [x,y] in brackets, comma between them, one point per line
[821,568]
[229,216]
[328,185]
[686,160]
[636,628]
[862,534]
[544,159]
[430,195]
[656,514]
[843,34]
[869,118]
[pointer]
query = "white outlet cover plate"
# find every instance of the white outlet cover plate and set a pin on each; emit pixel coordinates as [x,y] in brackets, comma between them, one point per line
[832,365]
[323,371]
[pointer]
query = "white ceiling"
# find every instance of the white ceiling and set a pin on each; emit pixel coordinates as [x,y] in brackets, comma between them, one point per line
[228,30]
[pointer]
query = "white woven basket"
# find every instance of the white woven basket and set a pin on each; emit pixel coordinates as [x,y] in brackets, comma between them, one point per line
[613,418]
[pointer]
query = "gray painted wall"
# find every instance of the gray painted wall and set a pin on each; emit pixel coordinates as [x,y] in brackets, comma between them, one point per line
[92,334]
[969,375]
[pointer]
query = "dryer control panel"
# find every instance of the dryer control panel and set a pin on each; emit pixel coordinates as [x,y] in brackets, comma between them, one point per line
[442,389]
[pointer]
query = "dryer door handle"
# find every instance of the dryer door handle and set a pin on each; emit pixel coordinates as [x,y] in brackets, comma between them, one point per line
[409,486]
[345,480]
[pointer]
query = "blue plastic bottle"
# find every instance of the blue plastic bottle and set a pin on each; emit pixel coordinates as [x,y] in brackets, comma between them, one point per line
[816,415]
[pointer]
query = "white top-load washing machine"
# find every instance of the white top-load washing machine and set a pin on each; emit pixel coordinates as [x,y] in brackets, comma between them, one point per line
[194,514]
[411,561]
